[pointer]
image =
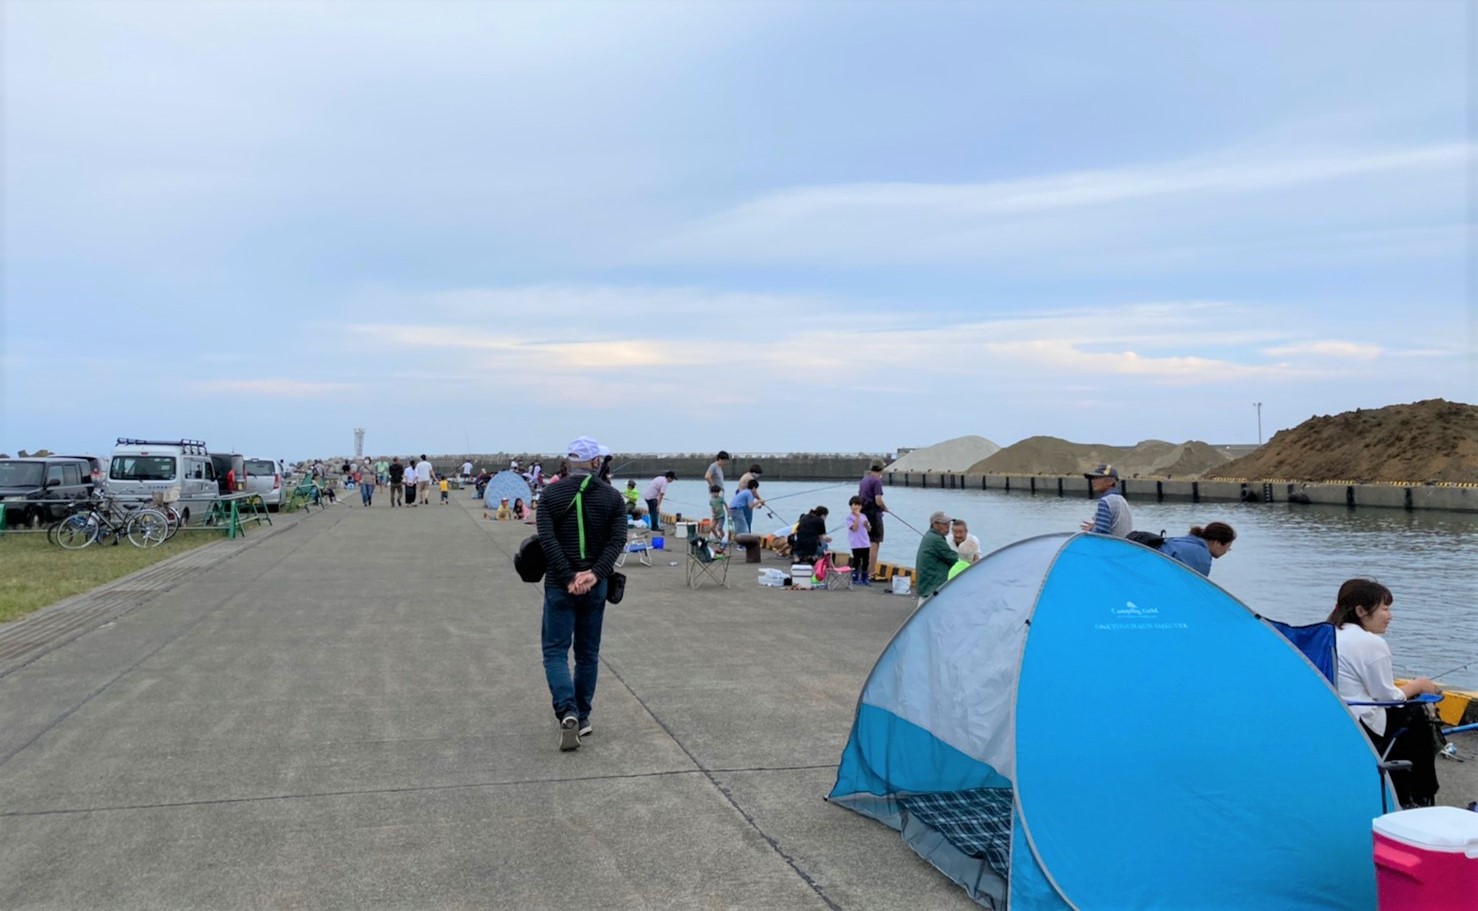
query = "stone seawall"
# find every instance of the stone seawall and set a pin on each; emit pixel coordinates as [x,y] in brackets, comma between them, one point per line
[794,467]
[1453,497]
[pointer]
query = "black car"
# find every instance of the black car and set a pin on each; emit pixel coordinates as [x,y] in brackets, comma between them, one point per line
[40,491]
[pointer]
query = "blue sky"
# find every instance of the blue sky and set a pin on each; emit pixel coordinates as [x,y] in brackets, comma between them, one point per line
[682,226]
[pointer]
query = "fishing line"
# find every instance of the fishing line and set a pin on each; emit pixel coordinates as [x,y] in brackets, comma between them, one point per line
[905,524]
[1454,670]
[801,493]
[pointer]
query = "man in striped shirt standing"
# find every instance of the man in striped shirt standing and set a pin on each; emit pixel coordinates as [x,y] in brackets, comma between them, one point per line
[1112,517]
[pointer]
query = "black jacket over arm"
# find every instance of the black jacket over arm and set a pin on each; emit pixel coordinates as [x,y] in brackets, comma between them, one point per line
[559,530]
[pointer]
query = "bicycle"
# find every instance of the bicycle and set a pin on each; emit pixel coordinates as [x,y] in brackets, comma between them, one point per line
[104,517]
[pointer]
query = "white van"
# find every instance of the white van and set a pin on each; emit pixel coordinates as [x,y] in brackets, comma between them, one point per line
[141,467]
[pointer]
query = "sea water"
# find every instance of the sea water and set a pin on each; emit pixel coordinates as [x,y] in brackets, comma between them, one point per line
[1287,563]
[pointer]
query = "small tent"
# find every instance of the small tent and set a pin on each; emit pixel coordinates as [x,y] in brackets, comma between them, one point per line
[1079,722]
[506,483]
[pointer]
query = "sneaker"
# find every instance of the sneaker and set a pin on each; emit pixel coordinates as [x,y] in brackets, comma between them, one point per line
[585,729]
[569,734]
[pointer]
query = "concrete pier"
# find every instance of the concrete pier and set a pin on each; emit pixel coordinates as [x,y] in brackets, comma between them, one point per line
[1452,497]
[348,710]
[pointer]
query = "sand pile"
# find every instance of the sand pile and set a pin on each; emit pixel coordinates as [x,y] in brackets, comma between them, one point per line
[1047,455]
[1148,459]
[1433,440]
[955,455]
[1159,459]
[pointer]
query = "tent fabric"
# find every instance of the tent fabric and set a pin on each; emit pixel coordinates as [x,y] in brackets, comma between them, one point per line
[1071,695]
[506,483]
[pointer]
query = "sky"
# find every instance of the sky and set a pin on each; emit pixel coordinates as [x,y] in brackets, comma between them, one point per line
[765,227]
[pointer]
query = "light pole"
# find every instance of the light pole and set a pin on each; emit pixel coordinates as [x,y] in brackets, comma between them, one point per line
[1258,406]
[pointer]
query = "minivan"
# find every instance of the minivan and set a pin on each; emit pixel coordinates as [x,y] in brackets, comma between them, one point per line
[262,477]
[140,468]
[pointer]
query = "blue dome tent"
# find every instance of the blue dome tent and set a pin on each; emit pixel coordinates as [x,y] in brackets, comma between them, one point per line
[506,483]
[1079,722]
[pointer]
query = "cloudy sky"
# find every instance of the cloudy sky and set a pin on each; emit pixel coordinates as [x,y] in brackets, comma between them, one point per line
[680,226]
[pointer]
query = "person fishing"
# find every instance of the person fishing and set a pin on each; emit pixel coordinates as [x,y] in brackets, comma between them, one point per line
[1361,616]
[1201,546]
[873,506]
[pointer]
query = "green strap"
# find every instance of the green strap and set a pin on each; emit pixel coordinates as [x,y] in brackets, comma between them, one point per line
[580,513]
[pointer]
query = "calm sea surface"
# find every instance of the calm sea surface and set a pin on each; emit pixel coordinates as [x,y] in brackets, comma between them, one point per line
[1287,563]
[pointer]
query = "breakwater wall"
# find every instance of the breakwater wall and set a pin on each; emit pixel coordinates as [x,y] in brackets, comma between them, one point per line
[689,466]
[1453,497]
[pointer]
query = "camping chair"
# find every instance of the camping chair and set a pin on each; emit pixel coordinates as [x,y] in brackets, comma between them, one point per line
[703,563]
[638,541]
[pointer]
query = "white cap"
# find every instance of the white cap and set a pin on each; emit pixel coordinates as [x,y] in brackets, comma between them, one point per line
[585,449]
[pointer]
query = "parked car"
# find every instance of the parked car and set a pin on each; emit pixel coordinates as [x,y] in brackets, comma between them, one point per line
[43,490]
[99,469]
[263,477]
[181,469]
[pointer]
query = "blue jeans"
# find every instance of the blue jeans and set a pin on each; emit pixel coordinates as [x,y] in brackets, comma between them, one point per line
[366,492]
[576,618]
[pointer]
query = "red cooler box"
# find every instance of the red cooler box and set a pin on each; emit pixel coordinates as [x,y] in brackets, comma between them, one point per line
[1427,860]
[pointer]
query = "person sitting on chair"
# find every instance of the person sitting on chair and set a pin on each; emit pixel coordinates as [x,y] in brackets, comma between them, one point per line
[1362,612]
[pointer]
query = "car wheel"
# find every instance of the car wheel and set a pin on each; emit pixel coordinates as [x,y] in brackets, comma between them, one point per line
[33,519]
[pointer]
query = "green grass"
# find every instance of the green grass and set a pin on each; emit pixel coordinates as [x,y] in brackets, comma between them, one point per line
[35,572]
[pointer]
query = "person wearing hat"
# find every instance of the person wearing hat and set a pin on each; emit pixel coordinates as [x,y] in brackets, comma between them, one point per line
[581,539]
[1112,517]
[935,556]
[504,510]
[873,507]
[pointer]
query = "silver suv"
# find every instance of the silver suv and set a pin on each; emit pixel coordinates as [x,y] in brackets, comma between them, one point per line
[262,477]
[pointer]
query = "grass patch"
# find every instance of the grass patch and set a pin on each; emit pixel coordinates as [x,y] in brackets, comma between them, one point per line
[35,572]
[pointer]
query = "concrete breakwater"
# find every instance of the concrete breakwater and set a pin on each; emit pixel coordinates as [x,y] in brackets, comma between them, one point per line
[798,466]
[1453,497]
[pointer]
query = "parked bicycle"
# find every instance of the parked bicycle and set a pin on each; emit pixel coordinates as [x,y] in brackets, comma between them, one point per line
[107,516]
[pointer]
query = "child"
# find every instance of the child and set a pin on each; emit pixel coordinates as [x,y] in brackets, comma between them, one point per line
[518,508]
[717,508]
[632,497]
[857,531]
[503,511]
[446,490]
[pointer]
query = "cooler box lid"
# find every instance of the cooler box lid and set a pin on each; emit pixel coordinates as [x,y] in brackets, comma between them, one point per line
[1447,829]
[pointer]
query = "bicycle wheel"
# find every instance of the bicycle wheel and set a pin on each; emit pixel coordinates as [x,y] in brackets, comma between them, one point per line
[76,532]
[148,528]
[173,515]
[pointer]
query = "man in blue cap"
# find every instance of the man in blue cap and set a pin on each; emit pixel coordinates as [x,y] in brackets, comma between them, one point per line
[582,528]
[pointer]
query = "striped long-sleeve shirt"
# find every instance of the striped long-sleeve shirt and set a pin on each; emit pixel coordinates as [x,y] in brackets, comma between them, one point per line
[559,529]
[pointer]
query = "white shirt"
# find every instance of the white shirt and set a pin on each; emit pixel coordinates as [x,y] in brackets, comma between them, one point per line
[410,474]
[656,489]
[1364,674]
[969,549]
[423,471]
[466,468]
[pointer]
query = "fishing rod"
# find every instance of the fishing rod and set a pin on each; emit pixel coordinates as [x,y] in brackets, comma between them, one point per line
[1454,670]
[801,493]
[905,524]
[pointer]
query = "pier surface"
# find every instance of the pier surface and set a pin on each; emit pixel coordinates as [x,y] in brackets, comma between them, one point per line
[348,710]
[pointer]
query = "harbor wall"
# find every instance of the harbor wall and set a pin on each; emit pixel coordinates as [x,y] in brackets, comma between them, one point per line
[1452,497]
[642,466]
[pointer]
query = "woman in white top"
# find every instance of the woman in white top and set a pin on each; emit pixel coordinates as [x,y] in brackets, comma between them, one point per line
[1362,612]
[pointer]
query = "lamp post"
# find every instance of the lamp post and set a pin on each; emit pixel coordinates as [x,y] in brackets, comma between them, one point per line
[1258,406]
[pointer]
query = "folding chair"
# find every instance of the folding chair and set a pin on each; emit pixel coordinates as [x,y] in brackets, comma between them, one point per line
[638,541]
[703,563]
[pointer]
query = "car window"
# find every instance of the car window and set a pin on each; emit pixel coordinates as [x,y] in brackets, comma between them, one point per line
[142,468]
[260,466]
[54,474]
[71,474]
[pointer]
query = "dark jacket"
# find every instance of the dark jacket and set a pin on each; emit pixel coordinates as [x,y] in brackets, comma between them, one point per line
[934,560]
[559,529]
[808,532]
[397,472]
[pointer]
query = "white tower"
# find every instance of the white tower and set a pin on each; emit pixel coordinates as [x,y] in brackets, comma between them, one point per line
[358,443]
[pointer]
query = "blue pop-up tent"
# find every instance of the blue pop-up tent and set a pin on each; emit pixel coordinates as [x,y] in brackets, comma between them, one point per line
[1079,722]
[506,483]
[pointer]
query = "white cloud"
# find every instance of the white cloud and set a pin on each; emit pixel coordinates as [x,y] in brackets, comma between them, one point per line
[1066,216]
[283,388]
[1328,349]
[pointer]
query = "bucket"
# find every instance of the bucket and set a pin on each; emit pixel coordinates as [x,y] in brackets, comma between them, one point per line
[1426,859]
[656,542]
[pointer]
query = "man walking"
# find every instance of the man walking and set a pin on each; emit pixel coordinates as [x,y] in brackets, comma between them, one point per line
[582,528]
[1112,516]
[935,556]
[367,482]
[871,492]
[396,473]
[424,475]
[654,494]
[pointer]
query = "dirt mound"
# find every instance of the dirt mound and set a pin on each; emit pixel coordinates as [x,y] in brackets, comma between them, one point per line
[1159,459]
[1432,440]
[954,455]
[1047,455]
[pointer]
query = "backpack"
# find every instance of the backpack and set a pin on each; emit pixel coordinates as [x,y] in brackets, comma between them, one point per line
[1148,539]
[529,560]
